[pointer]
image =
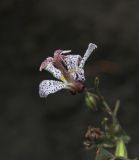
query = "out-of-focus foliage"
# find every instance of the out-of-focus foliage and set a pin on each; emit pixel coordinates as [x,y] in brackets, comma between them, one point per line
[109,141]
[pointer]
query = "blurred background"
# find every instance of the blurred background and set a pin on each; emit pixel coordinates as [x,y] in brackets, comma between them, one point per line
[32,128]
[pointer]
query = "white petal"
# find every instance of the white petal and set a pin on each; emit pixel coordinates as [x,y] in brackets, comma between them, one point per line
[54,71]
[47,87]
[90,49]
[45,63]
[78,74]
[72,61]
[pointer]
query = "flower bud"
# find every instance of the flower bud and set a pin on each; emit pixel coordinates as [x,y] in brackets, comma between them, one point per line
[92,136]
[90,101]
[121,150]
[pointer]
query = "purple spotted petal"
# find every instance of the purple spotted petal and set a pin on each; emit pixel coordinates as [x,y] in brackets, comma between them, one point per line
[54,71]
[45,63]
[90,49]
[80,75]
[47,87]
[72,61]
[77,74]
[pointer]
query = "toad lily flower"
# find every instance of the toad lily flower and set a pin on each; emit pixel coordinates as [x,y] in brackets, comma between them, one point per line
[68,69]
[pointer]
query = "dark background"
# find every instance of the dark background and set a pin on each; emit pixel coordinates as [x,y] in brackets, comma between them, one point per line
[32,128]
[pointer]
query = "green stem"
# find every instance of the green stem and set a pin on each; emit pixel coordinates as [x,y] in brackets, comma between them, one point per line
[104,103]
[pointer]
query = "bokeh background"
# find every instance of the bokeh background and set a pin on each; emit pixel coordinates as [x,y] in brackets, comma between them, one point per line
[32,128]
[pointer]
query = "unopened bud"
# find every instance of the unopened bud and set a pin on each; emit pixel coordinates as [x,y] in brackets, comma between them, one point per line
[121,150]
[90,101]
